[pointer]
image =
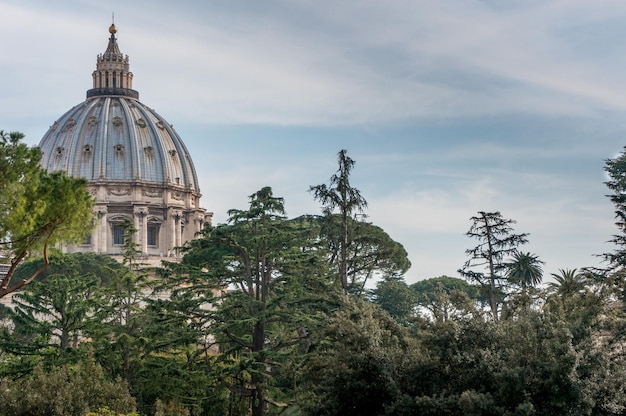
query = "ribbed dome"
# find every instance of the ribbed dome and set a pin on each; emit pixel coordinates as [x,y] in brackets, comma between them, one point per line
[117,138]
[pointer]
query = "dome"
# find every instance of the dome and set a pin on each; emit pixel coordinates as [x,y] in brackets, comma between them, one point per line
[118,138]
[137,166]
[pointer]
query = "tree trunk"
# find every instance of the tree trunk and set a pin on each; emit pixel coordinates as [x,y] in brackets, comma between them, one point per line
[493,301]
[65,339]
[343,265]
[258,345]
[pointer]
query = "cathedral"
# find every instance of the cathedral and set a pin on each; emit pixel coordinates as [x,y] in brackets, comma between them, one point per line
[137,166]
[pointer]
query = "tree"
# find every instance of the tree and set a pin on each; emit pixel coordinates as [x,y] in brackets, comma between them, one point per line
[524,270]
[496,241]
[396,297]
[59,309]
[266,280]
[340,195]
[65,306]
[64,391]
[122,334]
[446,297]
[37,209]
[568,282]
[371,253]
[357,370]
[616,170]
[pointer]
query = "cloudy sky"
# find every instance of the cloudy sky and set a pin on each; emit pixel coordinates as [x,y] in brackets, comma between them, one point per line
[448,107]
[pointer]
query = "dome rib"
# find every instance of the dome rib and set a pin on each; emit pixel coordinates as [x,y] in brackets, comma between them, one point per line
[130,143]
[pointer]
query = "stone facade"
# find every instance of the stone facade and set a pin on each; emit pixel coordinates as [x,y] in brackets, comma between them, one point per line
[137,166]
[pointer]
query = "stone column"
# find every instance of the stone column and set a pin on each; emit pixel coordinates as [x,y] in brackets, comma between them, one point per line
[174,226]
[102,231]
[141,224]
[179,223]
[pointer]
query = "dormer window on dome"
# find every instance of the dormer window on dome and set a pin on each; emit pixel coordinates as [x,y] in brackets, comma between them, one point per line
[70,123]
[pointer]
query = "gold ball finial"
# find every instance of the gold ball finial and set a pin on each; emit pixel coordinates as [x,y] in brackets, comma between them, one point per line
[112,29]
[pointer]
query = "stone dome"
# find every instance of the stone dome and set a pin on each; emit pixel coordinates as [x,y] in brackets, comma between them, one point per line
[137,166]
[118,138]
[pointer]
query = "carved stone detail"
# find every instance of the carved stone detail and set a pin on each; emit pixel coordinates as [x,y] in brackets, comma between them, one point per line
[119,191]
[152,193]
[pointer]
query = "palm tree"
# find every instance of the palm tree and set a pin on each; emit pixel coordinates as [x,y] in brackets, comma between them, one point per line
[568,282]
[524,270]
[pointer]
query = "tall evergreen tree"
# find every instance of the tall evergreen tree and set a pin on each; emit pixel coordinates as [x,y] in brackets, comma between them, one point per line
[340,195]
[266,280]
[120,338]
[616,171]
[496,242]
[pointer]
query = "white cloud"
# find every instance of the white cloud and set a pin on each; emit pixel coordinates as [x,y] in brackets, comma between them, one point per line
[368,62]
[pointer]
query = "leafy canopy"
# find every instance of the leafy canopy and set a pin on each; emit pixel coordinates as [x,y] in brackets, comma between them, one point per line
[37,208]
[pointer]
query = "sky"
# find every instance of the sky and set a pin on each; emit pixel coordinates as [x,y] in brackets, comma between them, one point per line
[448,107]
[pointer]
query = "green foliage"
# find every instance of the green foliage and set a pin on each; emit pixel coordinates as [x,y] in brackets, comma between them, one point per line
[524,270]
[37,209]
[105,411]
[447,297]
[170,409]
[64,391]
[340,195]
[523,273]
[550,361]
[267,282]
[61,307]
[616,171]
[394,296]
[370,252]
[251,323]
[178,382]
[89,265]
[538,363]
[568,282]
[427,289]
[356,370]
[53,315]
[496,242]
[120,340]
[20,178]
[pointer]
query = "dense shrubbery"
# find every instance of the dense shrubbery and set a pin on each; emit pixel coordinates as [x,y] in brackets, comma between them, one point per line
[66,390]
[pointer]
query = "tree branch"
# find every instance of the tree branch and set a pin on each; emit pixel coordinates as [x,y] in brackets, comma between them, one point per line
[5,289]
